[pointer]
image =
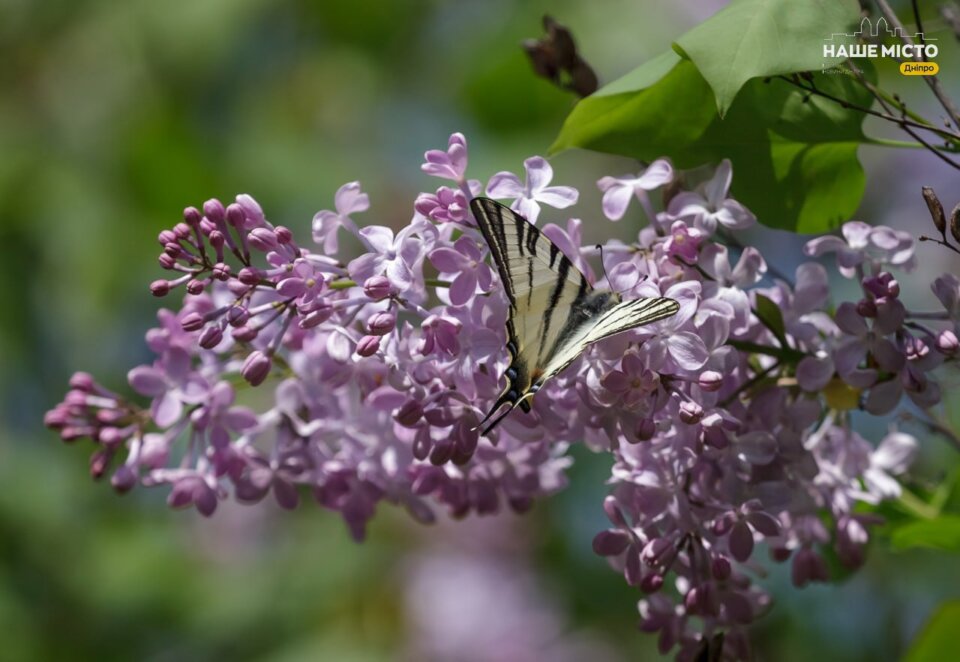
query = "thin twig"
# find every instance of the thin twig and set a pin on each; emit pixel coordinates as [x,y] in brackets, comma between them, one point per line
[870,111]
[946,159]
[932,81]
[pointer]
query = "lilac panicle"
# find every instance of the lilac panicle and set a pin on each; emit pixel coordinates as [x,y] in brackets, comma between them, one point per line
[726,431]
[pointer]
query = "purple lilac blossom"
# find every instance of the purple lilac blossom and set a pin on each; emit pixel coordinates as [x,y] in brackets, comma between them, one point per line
[726,431]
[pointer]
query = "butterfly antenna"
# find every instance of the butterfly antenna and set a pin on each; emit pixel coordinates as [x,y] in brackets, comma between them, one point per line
[603,267]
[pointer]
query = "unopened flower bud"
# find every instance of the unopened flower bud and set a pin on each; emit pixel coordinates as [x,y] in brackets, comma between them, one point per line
[262,239]
[651,583]
[645,429]
[936,209]
[82,381]
[947,342]
[210,337]
[123,479]
[377,287]
[235,215]
[213,209]
[955,223]
[249,276]
[166,261]
[256,368]
[409,413]
[284,236]
[867,308]
[368,345]
[221,271]
[192,322]
[381,323]
[720,567]
[192,216]
[710,381]
[195,287]
[167,237]
[690,413]
[160,288]
[244,333]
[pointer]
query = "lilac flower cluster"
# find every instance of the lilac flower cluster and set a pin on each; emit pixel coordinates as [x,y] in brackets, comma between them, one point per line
[729,422]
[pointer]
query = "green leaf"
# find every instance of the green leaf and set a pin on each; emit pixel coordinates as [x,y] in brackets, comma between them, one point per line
[938,639]
[941,533]
[756,38]
[794,158]
[769,313]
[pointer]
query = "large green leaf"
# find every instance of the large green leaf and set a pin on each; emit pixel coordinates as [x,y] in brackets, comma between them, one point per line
[794,157]
[941,533]
[754,38]
[938,639]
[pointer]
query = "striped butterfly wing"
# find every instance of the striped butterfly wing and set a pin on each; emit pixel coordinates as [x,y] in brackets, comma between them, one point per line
[541,284]
[621,317]
[554,312]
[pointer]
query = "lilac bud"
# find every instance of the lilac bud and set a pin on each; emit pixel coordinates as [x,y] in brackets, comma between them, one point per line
[409,413]
[244,333]
[779,554]
[690,413]
[221,271]
[715,436]
[82,381]
[207,226]
[237,316]
[172,249]
[721,568]
[181,231]
[867,308]
[262,239]
[651,583]
[315,317]
[645,429]
[56,418]
[110,436]
[284,236]
[99,462]
[256,368]
[211,337]
[235,215]
[195,287]
[381,323]
[166,261]
[192,216]
[947,342]
[741,541]
[377,288]
[213,209]
[167,237]
[192,322]
[710,381]
[368,345]
[249,276]
[160,288]
[123,479]
[216,239]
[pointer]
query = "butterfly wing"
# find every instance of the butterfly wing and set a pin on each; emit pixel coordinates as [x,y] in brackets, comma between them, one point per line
[541,284]
[621,317]
[554,312]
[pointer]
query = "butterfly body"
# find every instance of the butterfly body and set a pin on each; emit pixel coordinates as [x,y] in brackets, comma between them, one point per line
[555,314]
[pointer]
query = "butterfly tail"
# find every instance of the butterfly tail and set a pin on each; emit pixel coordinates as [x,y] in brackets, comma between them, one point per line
[509,397]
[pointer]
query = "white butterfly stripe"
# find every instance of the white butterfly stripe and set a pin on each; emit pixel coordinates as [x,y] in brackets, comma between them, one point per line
[554,313]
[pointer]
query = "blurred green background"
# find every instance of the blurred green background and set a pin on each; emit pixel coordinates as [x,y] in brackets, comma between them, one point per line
[113,117]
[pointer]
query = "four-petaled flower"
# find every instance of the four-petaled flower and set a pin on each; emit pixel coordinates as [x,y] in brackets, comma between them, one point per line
[711,206]
[528,195]
[618,191]
[348,200]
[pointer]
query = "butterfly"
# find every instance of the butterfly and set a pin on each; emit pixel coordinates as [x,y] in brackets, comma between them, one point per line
[555,314]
